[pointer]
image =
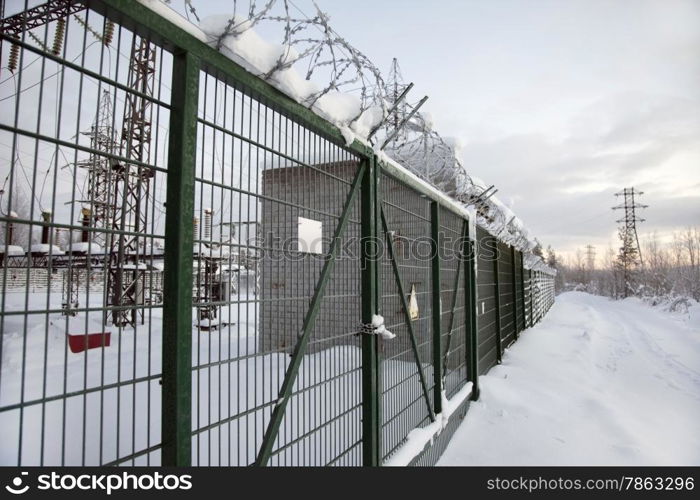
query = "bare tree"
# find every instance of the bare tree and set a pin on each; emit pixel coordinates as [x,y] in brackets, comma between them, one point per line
[690,273]
[655,275]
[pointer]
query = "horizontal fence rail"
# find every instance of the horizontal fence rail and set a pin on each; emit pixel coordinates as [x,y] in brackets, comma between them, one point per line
[197,270]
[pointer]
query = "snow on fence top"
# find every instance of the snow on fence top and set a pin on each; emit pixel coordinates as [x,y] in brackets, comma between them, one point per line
[356,98]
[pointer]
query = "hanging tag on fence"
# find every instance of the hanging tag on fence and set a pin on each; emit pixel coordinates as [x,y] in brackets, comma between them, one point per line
[413,312]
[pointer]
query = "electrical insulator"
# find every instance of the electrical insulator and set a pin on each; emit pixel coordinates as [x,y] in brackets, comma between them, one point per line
[108,33]
[14,58]
[207,223]
[58,37]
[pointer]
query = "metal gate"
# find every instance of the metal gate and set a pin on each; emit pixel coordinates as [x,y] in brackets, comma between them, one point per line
[277,365]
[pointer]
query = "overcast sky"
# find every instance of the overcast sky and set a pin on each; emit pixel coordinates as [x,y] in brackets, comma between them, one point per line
[558,103]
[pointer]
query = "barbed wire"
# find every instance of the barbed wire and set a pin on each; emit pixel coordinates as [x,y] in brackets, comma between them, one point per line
[310,43]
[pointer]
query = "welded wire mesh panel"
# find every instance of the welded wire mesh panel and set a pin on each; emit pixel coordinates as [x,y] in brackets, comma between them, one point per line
[537,296]
[269,195]
[84,111]
[542,295]
[452,295]
[506,290]
[548,287]
[542,282]
[519,296]
[528,297]
[432,454]
[487,251]
[403,403]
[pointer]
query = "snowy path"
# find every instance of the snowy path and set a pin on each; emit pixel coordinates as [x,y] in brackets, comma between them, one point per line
[596,383]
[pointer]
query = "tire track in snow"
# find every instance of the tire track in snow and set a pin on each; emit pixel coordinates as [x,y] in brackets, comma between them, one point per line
[637,336]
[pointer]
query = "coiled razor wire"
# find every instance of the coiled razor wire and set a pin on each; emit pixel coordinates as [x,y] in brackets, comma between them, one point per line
[326,56]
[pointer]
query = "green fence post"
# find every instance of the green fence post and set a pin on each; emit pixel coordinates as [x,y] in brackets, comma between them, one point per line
[371,449]
[177,294]
[470,308]
[497,279]
[435,245]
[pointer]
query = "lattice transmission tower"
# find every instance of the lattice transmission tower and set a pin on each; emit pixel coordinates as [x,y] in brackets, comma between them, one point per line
[128,247]
[395,89]
[630,256]
[99,201]
[590,262]
[98,209]
[590,257]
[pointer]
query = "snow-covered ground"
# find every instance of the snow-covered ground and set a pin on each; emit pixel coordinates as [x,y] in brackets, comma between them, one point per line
[234,383]
[597,382]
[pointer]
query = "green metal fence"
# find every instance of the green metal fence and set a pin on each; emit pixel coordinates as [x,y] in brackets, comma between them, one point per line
[221,254]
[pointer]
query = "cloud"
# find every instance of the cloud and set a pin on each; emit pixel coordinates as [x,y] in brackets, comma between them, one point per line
[563,189]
